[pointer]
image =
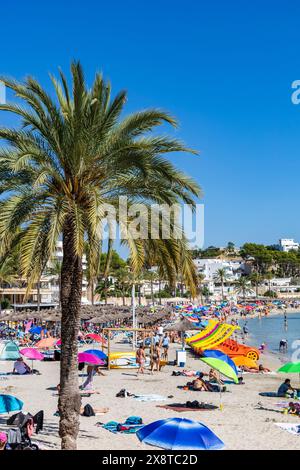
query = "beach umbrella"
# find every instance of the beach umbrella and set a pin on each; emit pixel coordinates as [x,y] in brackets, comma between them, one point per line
[10,403]
[32,354]
[179,434]
[216,354]
[290,368]
[95,337]
[46,343]
[36,330]
[221,366]
[90,359]
[98,353]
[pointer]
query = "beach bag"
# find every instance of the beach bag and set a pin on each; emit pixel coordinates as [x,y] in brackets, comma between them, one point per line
[121,393]
[14,437]
[133,420]
[88,411]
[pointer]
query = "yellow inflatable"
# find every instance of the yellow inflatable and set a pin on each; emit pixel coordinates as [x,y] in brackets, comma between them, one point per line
[125,360]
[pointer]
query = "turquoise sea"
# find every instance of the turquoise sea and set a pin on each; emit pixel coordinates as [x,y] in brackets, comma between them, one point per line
[272,329]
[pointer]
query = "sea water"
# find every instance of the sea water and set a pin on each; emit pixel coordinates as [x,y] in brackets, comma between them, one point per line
[271,329]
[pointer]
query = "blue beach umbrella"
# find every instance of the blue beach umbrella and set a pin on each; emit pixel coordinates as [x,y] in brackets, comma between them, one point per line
[10,403]
[179,434]
[36,330]
[98,353]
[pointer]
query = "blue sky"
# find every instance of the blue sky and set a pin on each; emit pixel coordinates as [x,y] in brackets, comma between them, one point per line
[224,68]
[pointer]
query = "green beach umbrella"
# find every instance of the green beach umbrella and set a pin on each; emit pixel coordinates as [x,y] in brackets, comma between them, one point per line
[221,366]
[290,368]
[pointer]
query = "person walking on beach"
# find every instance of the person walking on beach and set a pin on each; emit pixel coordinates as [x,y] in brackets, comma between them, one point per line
[245,330]
[165,345]
[155,358]
[141,359]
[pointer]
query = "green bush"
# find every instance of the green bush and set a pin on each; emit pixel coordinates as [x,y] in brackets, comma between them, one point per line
[5,304]
[270,293]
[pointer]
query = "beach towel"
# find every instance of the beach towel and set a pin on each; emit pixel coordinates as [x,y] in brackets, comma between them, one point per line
[268,394]
[149,398]
[289,427]
[179,407]
[131,425]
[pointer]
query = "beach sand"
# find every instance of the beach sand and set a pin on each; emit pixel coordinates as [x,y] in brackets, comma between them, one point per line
[239,424]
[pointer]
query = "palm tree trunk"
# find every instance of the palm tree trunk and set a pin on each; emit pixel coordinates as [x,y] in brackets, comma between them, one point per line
[159,291]
[59,290]
[152,294]
[71,290]
[38,296]
[92,292]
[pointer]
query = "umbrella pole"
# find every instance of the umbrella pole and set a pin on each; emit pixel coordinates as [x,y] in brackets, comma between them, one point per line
[221,405]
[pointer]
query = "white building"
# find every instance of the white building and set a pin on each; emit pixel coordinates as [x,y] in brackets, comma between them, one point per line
[209,268]
[288,244]
[233,271]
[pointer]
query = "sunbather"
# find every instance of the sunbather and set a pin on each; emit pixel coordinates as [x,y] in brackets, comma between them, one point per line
[94,411]
[261,368]
[20,367]
[213,377]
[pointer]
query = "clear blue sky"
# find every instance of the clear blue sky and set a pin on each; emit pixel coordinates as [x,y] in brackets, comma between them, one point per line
[224,68]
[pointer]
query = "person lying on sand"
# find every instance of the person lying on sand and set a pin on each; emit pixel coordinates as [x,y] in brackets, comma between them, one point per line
[199,384]
[253,370]
[94,411]
[261,368]
[82,392]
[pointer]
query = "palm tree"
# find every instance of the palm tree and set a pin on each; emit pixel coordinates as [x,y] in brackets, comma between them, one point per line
[71,154]
[221,276]
[269,276]
[123,282]
[256,280]
[243,286]
[151,276]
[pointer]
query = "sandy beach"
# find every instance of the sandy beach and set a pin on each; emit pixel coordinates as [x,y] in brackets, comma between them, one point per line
[239,424]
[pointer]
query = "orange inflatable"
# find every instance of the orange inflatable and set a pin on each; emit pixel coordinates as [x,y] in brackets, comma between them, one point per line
[233,349]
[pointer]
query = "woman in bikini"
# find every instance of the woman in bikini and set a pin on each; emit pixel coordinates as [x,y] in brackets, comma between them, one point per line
[155,358]
[140,359]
